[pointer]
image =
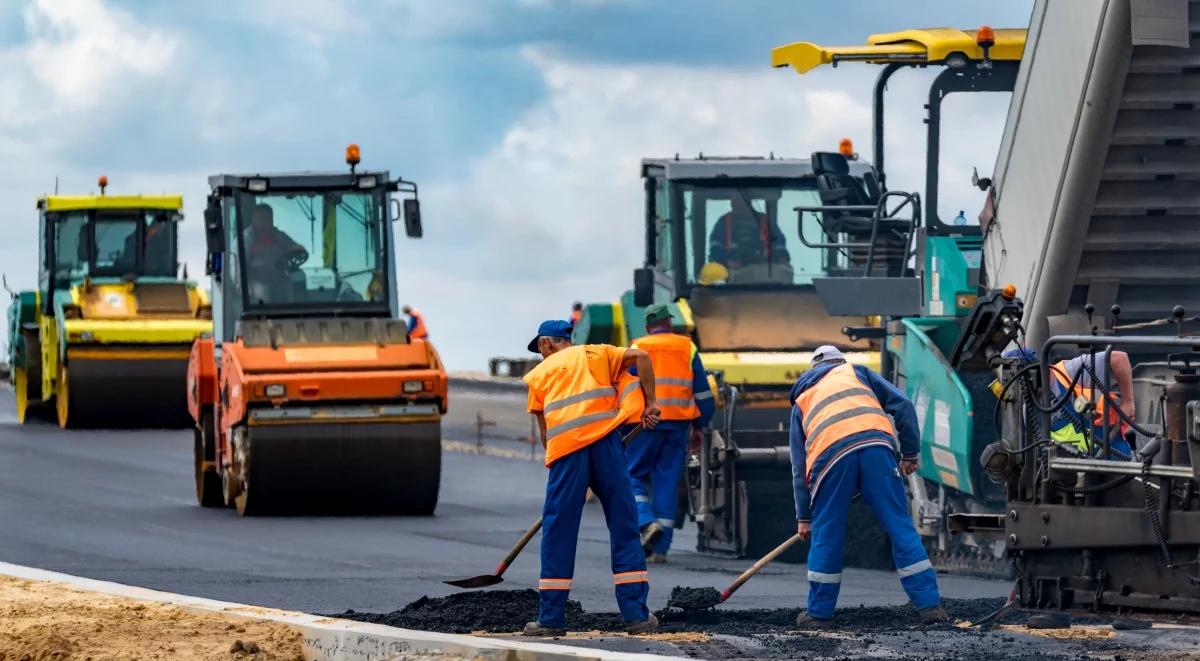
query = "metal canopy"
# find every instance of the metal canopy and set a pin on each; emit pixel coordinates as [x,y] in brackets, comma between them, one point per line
[742,167]
[920,46]
[89,202]
[297,180]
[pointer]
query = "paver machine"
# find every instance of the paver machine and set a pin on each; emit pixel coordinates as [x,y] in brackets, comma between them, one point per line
[724,250]
[932,307]
[105,336]
[309,396]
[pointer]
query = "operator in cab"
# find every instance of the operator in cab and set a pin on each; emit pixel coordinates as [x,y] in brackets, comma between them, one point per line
[656,457]
[842,442]
[416,323]
[578,394]
[744,237]
[271,255]
[157,254]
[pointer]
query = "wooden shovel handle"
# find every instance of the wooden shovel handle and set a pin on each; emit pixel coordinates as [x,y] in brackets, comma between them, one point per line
[520,546]
[762,562]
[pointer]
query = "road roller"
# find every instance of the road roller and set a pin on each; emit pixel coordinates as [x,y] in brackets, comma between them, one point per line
[310,397]
[104,339]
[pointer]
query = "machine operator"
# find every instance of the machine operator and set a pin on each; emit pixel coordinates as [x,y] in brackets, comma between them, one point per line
[745,237]
[267,248]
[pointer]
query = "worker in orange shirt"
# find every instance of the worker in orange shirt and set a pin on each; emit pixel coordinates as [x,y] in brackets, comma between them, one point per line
[416,324]
[576,392]
[576,313]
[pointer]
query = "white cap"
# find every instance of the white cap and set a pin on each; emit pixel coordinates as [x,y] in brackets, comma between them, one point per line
[826,352]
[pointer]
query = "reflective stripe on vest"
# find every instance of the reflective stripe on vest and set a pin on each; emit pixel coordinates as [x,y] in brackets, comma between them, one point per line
[837,406]
[671,355]
[580,405]
[418,332]
[1062,375]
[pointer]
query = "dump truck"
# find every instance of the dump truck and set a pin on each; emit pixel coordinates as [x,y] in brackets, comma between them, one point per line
[110,308]
[737,274]
[310,396]
[928,307]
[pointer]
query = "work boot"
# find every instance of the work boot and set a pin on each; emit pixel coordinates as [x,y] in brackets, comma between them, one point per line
[648,625]
[933,615]
[657,558]
[540,630]
[806,620]
[650,534]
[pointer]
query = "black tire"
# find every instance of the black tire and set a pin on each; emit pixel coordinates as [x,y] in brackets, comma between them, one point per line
[208,480]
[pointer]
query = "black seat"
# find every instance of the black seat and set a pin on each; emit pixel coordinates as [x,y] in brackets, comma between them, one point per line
[837,187]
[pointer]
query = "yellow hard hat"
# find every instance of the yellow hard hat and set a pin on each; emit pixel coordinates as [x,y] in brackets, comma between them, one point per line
[712,273]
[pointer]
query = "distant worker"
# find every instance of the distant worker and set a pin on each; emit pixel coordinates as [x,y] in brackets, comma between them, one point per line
[576,313]
[416,323]
[574,394]
[745,237]
[1071,424]
[842,442]
[656,458]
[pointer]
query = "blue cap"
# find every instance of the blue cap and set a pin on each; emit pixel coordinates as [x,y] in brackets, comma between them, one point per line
[551,328]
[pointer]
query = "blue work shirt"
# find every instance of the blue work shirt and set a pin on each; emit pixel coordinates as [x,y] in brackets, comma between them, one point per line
[894,403]
[699,386]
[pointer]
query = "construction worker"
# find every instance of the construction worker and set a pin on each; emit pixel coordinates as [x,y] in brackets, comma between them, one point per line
[416,323]
[576,313]
[273,258]
[744,237]
[1071,424]
[843,442]
[656,458]
[575,395]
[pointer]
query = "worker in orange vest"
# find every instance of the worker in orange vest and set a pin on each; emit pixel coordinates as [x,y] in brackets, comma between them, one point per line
[416,324]
[656,458]
[842,442]
[576,393]
[576,313]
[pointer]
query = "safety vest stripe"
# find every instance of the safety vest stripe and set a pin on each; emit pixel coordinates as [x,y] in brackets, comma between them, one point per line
[672,381]
[630,387]
[915,568]
[554,584]
[822,577]
[674,401]
[578,422]
[630,577]
[666,523]
[840,417]
[595,393]
[812,414]
[707,394]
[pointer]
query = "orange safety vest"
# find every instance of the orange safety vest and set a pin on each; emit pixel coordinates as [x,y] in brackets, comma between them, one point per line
[576,315]
[837,406]
[1059,370]
[671,356]
[581,404]
[419,331]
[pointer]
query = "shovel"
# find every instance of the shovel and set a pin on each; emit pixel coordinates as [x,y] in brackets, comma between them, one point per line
[699,599]
[488,580]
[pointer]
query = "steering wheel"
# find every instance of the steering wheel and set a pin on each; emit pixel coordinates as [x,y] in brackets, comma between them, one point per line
[292,260]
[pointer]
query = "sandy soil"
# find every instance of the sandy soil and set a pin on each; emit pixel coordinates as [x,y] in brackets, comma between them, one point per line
[43,621]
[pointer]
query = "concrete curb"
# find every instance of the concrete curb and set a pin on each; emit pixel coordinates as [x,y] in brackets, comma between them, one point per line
[328,639]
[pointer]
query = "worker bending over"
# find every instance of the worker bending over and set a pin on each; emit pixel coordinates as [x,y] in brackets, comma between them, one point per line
[843,442]
[656,458]
[1073,424]
[416,323]
[576,392]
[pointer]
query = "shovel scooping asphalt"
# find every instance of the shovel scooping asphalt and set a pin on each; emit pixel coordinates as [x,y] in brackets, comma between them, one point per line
[488,580]
[691,599]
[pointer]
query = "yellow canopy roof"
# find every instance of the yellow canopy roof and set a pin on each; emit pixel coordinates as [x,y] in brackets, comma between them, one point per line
[87,202]
[920,46]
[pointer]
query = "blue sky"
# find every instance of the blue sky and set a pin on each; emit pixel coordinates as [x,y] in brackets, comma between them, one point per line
[523,120]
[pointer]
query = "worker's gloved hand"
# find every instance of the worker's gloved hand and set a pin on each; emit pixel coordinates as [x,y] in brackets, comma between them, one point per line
[804,529]
[908,467]
[650,416]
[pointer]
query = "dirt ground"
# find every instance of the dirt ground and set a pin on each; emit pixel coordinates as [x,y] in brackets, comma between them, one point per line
[43,621]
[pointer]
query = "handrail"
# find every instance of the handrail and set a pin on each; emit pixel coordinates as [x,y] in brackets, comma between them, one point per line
[878,212]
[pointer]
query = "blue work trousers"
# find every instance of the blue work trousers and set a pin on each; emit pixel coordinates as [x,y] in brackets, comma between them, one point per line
[873,471]
[656,458]
[600,466]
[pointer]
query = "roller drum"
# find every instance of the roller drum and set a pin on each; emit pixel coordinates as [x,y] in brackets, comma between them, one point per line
[126,392]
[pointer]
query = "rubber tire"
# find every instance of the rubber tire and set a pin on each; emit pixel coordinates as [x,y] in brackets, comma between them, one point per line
[208,482]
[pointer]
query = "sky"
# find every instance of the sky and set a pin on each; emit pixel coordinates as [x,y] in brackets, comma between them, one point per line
[523,121]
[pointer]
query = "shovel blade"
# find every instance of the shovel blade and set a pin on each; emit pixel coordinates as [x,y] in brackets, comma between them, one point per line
[484,581]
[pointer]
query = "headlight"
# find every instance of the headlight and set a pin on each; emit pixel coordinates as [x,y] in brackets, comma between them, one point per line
[413,386]
[368,181]
[257,185]
[275,390]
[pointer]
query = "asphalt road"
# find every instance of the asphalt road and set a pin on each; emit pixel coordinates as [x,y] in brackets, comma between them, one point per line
[118,505]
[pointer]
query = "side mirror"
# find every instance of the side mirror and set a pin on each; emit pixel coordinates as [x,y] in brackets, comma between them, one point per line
[643,287]
[412,219]
[214,236]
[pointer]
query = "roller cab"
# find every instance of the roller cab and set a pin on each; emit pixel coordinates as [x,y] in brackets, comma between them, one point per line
[310,397]
[104,339]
